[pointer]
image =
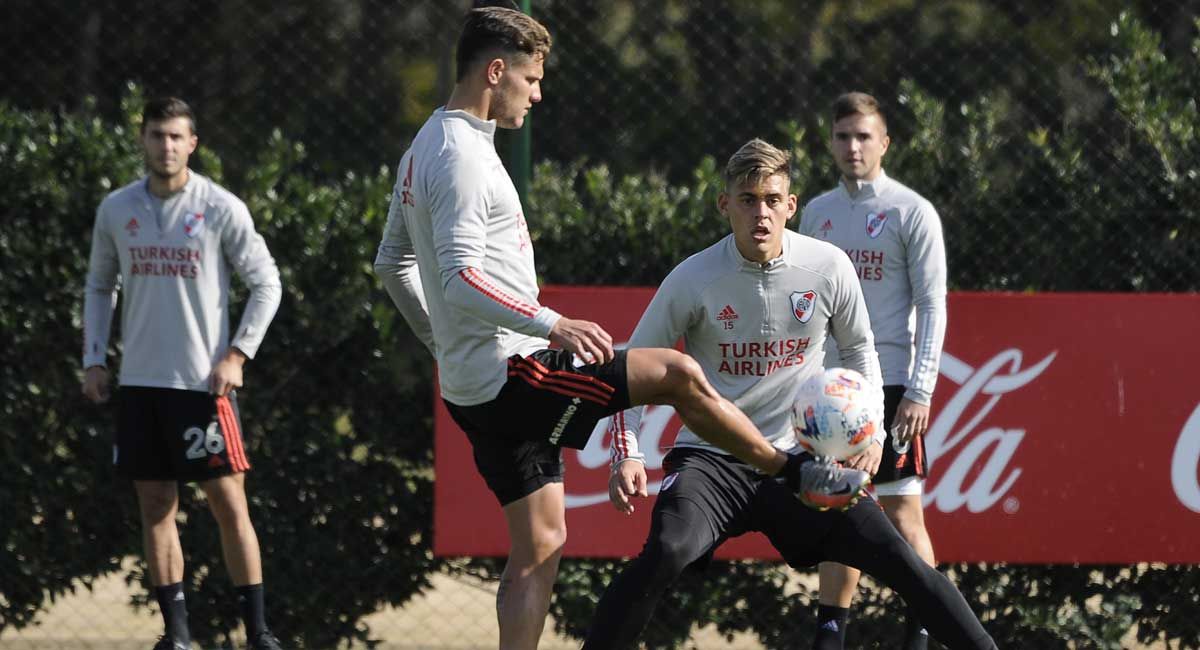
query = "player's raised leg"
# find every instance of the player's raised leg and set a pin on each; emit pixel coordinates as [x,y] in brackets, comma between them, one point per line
[665,376]
[537,530]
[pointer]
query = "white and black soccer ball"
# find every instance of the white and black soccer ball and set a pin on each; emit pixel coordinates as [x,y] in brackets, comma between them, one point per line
[836,413]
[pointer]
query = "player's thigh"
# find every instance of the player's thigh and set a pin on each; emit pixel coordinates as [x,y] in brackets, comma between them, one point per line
[864,538]
[656,375]
[548,397]
[226,496]
[795,530]
[512,467]
[705,498]
[904,510]
[157,500]
[141,450]
[205,435]
[537,523]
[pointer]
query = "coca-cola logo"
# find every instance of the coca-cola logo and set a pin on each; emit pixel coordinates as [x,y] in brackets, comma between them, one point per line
[959,439]
[1185,463]
[958,428]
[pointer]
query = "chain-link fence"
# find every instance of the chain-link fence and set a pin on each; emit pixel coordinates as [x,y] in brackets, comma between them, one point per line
[1058,141]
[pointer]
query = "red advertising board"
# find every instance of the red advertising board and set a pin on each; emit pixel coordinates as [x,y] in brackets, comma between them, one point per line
[1066,428]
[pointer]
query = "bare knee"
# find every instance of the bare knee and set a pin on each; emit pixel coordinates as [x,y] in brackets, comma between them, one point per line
[547,543]
[683,380]
[905,516]
[227,502]
[157,501]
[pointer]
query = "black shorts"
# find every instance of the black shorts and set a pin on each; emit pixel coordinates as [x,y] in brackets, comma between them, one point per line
[546,404]
[896,466]
[169,434]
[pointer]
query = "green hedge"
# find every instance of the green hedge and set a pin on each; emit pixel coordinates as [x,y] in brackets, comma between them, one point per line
[338,404]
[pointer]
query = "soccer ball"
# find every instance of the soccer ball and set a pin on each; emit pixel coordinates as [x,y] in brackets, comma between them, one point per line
[836,413]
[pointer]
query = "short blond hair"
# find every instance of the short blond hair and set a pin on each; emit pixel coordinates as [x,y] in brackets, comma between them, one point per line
[756,161]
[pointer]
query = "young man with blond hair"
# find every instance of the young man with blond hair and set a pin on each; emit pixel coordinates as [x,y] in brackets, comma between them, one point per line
[755,310]
[457,260]
[170,240]
[894,237]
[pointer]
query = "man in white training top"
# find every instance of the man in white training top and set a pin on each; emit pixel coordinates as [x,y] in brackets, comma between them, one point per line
[171,239]
[457,260]
[755,310]
[894,238]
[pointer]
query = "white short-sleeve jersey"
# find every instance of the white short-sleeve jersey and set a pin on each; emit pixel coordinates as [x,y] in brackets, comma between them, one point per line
[894,238]
[455,215]
[757,330]
[172,260]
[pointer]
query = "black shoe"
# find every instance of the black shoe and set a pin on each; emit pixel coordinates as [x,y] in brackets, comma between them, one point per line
[264,641]
[167,643]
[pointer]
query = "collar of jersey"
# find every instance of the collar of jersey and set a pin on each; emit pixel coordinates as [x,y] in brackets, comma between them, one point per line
[745,264]
[866,189]
[192,181]
[486,126]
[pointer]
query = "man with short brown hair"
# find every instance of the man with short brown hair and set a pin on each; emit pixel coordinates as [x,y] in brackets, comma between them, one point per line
[170,240]
[894,237]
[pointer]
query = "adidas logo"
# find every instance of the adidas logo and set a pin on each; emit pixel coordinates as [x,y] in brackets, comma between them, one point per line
[830,625]
[727,314]
[132,227]
[827,226]
[215,461]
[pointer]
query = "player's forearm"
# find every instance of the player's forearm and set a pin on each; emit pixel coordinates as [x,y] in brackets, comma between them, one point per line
[98,307]
[928,339]
[624,428]
[402,281]
[260,311]
[473,292]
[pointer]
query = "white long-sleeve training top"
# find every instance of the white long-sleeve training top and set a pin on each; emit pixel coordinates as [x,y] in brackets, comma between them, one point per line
[757,330]
[894,238]
[172,259]
[457,259]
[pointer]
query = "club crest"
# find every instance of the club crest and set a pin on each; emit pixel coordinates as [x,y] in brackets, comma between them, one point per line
[804,303]
[875,223]
[193,224]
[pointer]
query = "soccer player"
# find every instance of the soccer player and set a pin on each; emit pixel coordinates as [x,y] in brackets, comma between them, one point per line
[755,310]
[171,240]
[457,260]
[894,238]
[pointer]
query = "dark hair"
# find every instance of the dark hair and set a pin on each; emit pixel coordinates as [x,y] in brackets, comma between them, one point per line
[165,108]
[499,31]
[755,162]
[857,103]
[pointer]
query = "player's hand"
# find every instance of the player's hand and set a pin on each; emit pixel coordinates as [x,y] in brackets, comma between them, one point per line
[868,460]
[586,339]
[628,480]
[95,384]
[227,375]
[912,419]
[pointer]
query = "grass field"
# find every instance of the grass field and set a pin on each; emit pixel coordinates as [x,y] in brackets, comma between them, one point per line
[457,614]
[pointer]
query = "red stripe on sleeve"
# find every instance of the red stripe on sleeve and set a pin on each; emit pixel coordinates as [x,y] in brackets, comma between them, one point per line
[480,283]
